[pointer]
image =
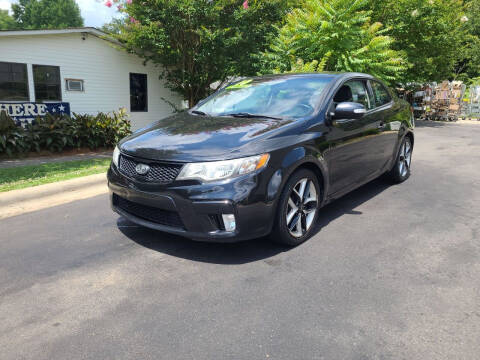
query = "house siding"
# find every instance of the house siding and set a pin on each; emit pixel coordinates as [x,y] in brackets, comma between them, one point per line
[103,68]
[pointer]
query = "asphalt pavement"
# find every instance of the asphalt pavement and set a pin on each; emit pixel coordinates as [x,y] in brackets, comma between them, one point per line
[392,273]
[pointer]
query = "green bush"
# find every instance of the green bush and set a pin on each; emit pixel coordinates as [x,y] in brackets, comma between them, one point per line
[56,133]
[103,130]
[12,138]
[52,133]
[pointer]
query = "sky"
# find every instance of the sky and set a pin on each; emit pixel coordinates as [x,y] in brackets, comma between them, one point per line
[94,12]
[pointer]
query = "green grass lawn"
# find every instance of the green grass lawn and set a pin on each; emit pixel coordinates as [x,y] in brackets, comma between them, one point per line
[33,175]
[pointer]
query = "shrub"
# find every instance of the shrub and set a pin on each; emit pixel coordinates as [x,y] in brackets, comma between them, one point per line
[103,130]
[56,133]
[12,138]
[53,133]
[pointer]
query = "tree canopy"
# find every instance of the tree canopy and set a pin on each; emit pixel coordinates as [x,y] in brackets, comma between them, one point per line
[468,66]
[198,42]
[335,35]
[429,32]
[6,21]
[46,14]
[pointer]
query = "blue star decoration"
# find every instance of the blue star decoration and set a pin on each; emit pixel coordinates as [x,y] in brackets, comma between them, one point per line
[61,108]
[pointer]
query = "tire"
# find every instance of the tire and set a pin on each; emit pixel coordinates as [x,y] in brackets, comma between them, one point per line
[401,170]
[295,229]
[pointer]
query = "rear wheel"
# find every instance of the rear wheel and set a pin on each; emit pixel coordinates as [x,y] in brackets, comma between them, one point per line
[297,209]
[401,169]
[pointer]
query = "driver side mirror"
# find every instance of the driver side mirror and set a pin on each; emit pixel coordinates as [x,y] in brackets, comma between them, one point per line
[349,110]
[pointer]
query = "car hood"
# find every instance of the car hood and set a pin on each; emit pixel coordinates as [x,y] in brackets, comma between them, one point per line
[184,137]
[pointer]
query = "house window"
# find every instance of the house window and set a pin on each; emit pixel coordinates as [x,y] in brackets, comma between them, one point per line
[13,82]
[138,92]
[47,83]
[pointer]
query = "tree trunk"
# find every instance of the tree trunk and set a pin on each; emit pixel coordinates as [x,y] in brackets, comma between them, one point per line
[191,100]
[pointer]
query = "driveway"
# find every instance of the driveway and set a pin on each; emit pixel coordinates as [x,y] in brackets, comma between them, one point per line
[393,273]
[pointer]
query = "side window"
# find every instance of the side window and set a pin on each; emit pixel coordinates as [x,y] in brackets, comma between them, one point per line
[380,94]
[354,91]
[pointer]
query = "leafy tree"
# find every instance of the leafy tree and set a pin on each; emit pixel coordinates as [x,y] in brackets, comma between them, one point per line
[472,9]
[6,21]
[468,66]
[47,14]
[198,42]
[114,27]
[430,32]
[334,35]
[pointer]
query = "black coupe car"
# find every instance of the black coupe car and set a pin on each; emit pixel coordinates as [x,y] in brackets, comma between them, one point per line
[262,156]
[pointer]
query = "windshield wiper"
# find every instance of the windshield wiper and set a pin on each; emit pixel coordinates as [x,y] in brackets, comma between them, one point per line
[252,116]
[198,112]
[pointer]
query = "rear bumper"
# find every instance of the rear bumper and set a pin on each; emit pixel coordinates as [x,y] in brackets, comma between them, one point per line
[197,206]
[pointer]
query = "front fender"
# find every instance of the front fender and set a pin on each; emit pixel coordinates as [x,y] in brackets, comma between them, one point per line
[301,156]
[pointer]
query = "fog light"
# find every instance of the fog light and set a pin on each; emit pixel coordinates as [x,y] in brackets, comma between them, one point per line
[229,222]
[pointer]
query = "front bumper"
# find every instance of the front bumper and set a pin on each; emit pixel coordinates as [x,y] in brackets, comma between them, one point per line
[198,206]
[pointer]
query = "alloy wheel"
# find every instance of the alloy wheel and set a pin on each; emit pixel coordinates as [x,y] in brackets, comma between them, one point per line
[405,158]
[301,208]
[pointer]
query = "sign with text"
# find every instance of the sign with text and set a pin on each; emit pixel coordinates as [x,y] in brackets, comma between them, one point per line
[23,113]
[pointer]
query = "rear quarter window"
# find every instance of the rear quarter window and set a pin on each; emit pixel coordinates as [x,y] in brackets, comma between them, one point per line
[381,96]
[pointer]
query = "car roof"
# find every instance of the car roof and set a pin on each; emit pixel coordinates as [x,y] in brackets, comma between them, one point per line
[337,75]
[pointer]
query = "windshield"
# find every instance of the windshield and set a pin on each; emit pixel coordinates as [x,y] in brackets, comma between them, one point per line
[289,96]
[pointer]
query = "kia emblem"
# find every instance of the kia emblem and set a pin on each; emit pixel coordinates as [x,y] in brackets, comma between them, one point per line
[142,169]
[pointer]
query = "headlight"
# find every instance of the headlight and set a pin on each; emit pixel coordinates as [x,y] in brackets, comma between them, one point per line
[116,156]
[218,170]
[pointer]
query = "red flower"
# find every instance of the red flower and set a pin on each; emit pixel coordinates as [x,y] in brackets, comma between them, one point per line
[245,4]
[108,3]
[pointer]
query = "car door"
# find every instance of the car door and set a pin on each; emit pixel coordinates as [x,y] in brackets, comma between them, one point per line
[386,113]
[348,157]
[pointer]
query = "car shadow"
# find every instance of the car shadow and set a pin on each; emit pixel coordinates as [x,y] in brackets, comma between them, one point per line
[350,201]
[246,251]
[215,253]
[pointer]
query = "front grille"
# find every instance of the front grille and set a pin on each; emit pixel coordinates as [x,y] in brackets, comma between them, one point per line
[159,172]
[149,213]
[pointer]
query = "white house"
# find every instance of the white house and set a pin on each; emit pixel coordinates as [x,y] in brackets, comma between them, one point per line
[80,69]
